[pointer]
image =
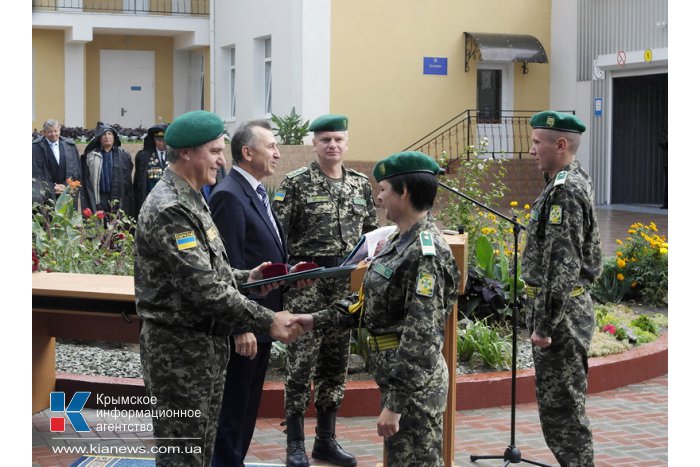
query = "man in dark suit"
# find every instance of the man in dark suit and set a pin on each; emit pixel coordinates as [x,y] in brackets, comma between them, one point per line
[251,234]
[54,160]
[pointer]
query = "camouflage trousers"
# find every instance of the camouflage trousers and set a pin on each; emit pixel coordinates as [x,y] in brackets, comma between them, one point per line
[561,372]
[321,355]
[419,439]
[185,370]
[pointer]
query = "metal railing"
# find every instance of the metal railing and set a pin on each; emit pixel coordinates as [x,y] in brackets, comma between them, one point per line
[477,134]
[160,7]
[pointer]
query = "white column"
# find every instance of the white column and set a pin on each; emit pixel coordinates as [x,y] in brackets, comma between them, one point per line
[75,84]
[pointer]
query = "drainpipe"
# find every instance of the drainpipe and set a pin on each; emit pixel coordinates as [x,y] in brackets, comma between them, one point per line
[212,55]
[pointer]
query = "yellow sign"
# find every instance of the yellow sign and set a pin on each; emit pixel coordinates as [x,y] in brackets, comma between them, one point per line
[648,55]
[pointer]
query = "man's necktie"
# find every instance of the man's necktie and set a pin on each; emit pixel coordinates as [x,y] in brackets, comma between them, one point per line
[266,202]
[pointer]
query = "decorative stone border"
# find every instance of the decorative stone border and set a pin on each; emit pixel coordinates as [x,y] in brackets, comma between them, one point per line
[473,391]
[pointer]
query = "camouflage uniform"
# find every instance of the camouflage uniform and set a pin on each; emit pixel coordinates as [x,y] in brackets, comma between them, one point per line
[408,293]
[562,256]
[187,299]
[322,222]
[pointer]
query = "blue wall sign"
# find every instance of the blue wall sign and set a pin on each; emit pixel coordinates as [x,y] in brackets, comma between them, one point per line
[135,88]
[598,106]
[434,65]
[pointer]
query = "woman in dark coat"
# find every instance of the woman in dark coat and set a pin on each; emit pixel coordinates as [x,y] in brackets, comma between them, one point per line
[107,172]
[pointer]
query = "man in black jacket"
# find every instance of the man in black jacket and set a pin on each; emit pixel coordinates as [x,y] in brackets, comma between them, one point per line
[54,160]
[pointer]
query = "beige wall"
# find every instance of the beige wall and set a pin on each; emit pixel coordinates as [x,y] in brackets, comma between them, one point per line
[163,47]
[377,51]
[49,78]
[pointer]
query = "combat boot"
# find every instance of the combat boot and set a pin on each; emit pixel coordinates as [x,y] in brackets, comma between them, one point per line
[296,451]
[326,448]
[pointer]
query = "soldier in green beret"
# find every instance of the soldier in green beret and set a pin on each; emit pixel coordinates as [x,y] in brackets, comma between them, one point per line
[407,293]
[323,208]
[187,296]
[562,258]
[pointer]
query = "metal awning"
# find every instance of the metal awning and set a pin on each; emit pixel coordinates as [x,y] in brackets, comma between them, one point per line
[498,47]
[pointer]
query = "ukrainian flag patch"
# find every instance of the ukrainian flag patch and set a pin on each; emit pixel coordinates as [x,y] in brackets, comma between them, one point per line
[279,195]
[185,240]
[425,284]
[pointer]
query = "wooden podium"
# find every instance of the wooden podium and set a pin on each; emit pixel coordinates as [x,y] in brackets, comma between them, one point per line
[76,306]
[458,245]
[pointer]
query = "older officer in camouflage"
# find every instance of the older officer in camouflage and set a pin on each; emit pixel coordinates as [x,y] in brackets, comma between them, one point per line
[187,296]
[324,208]
[408,291]
[562,258]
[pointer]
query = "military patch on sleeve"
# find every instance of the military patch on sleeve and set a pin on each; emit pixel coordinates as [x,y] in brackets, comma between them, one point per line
[279,195]
[297,172]
[555,213]
[185,240]
[561,178]
[359,201]
[426,243]
[212,233]
[534,215]
[425,284]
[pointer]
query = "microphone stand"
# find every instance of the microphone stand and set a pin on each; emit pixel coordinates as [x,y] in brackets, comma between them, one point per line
[512,453]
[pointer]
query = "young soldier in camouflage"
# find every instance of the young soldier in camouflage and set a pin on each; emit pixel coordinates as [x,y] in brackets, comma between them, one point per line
[323,209]
[562,257]
[187,297]
[408,291]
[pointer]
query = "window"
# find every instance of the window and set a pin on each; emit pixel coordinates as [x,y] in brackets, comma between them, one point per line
[232,84]
[488,84]
[268,76]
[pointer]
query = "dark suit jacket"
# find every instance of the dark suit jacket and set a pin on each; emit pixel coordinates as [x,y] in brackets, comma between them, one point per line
[46,171]
[247,232]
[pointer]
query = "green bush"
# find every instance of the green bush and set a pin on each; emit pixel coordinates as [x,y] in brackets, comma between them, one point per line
[65,240]
[478,338]
[291,128]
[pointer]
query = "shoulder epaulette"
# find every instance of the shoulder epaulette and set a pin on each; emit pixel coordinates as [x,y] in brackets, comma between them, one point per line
[297,172]
[355,172]
[561,178]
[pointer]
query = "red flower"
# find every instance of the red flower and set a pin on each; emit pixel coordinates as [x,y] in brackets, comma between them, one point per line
[35,261]
[121,236]
[99,214]
[609,328]
[87,212]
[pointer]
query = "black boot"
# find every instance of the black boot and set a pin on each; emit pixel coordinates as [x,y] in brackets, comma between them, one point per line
[326,448]
[296,451]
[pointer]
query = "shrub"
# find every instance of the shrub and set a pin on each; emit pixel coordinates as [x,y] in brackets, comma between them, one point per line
[638,270]
[478,337]
[604,344]
[65,240]
[290,128]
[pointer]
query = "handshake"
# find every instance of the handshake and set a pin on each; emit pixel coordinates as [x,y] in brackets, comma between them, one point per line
[287,326]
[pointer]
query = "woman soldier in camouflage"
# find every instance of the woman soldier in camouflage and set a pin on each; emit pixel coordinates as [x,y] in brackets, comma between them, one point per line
[408,291]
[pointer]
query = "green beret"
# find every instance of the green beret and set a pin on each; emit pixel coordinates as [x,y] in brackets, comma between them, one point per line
[551,120]
[329,122]
[194,128]
[404,163]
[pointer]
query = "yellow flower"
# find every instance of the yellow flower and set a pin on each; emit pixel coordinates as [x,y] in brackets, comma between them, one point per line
[527,206]
[663,251]
[664,245]
[653,227]
[620,277]
[621,263]
[632,231]
[485,230]
[619,253]
[527,216]
[634,284]
[618,241]
[513,204]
